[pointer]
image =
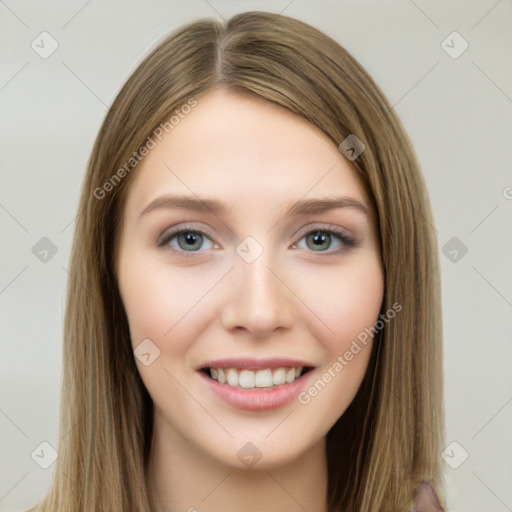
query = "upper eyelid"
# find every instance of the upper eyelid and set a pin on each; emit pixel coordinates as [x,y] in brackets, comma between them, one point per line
[173,231]
[323,227]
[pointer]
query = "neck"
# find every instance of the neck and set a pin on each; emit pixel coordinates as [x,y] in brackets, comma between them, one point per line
[182,478]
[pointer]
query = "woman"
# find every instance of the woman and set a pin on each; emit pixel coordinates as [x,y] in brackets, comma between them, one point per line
[253,320]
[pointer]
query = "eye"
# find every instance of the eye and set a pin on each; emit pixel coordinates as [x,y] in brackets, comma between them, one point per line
[324,240]
[186,240]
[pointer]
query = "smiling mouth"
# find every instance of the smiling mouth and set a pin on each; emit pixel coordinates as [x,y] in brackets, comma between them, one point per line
[256,379]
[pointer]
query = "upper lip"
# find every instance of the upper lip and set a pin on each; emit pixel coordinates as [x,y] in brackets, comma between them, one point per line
[254,363]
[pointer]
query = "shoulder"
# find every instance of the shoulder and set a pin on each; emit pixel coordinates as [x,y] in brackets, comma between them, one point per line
[425,499]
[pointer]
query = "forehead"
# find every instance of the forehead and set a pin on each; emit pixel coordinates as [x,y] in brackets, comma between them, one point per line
[248,153]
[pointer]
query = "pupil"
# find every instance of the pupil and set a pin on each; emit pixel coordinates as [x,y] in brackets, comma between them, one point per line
[191,240]
[319,239]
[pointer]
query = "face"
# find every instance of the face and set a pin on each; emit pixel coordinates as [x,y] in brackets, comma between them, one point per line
[258,258]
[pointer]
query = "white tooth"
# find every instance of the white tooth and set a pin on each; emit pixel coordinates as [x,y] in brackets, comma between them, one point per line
[232,377]
[279,376]
[246,379]
[264,378]
[290,375]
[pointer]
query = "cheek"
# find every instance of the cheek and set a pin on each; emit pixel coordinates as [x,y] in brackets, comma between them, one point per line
[164,306]
[345,301]
[146,301]
[349,304]
[160,301]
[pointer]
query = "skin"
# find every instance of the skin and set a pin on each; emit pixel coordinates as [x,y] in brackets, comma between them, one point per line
[291,301]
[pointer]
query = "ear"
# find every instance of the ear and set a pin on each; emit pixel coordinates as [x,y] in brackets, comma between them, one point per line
[425,499]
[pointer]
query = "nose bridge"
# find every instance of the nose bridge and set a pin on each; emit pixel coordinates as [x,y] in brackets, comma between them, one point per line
[260,302]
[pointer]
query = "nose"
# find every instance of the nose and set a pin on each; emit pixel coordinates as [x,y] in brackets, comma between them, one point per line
[259,299]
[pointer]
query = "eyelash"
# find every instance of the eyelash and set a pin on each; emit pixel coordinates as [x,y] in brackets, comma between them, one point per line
[167,237]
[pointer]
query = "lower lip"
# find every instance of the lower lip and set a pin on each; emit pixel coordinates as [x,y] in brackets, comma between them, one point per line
[258,399]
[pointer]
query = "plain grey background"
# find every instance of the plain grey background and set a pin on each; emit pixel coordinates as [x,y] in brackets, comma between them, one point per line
[456,108]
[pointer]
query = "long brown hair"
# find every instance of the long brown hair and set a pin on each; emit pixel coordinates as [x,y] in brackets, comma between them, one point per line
[390,438]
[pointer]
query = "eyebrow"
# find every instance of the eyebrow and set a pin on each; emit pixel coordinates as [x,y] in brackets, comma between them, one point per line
[301,207]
